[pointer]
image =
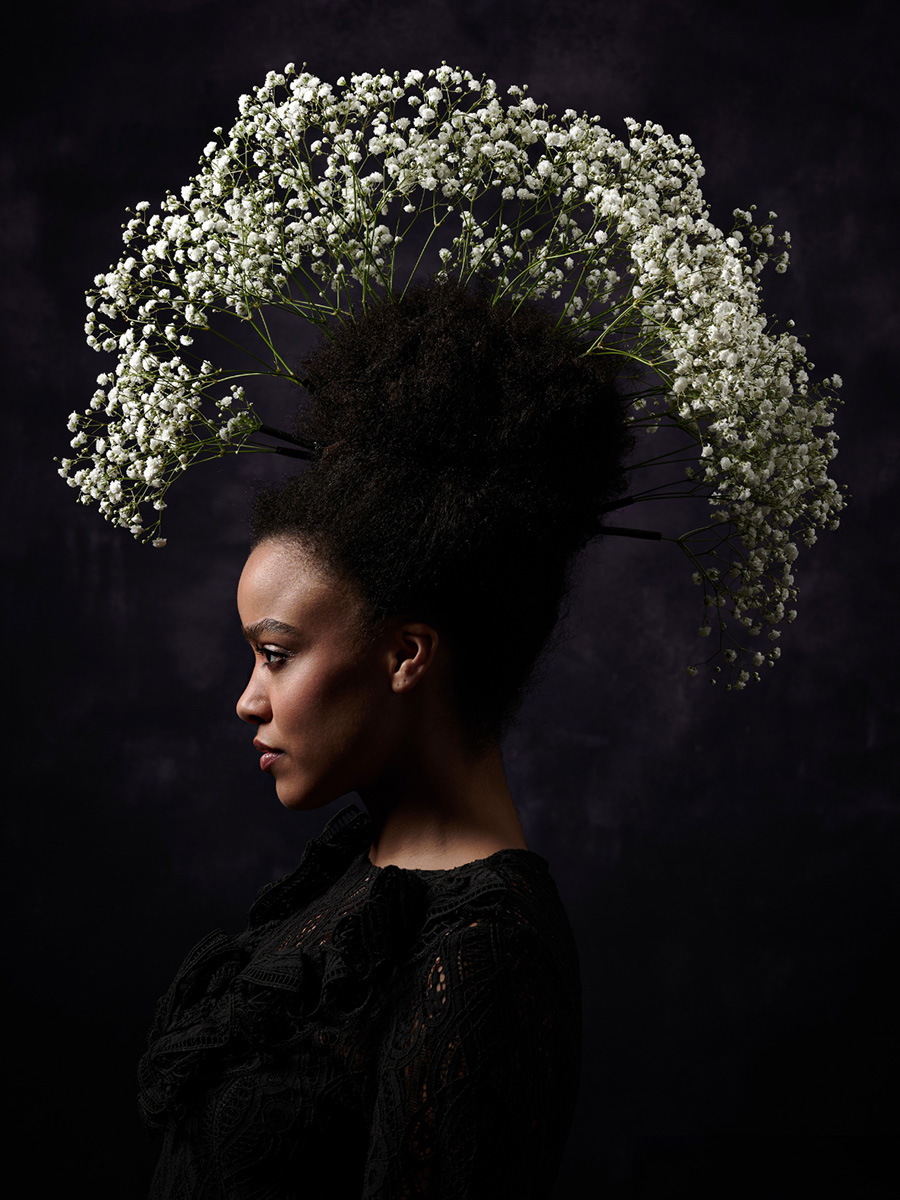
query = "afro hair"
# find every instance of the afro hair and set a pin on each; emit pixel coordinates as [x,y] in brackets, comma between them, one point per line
[470,447]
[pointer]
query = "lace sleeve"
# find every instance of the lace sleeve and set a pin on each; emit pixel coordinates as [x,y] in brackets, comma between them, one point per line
[478,1073]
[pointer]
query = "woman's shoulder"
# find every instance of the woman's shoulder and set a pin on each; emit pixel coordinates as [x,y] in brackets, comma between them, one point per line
[504,908]
[494,952]
[514,883]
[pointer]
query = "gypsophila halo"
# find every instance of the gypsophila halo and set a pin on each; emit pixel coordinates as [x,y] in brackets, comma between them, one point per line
[307,205]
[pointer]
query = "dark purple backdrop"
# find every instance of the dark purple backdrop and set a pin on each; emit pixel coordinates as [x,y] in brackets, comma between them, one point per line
[730,861]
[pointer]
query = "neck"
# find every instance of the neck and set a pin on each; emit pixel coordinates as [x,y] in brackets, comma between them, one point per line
[442,808]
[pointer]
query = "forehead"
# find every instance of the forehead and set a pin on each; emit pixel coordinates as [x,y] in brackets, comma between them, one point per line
[282,582]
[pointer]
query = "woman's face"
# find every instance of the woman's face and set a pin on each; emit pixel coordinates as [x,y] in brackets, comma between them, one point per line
[320,693]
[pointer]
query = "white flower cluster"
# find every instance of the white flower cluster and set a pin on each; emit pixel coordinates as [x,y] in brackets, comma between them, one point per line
[306,205]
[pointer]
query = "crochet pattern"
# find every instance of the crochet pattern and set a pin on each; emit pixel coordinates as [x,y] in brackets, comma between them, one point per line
[374,1033]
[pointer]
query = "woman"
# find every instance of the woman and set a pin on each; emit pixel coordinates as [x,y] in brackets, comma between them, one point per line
[401,1016]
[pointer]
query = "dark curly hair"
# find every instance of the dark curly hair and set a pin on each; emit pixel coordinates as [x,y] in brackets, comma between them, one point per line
[469,448]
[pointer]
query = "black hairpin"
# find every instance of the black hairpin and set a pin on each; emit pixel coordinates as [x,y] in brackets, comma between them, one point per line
[300,447]
[624,530]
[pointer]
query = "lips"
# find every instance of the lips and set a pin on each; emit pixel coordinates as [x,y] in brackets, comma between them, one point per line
[269,755]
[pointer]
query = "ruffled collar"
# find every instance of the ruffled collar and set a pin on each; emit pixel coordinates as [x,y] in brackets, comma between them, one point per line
[234,999]
[249,997]
[324,859]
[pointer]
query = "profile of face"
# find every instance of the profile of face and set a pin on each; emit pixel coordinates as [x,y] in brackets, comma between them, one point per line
[326,696]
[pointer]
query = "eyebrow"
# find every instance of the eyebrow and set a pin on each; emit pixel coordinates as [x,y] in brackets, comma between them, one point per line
[254,633]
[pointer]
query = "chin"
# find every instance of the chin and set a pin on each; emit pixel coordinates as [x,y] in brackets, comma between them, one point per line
[300,799]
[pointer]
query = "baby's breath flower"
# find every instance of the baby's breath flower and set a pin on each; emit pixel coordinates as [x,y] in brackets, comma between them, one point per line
[302,206]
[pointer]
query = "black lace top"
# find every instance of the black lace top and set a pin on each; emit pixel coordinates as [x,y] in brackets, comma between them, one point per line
[374,1033]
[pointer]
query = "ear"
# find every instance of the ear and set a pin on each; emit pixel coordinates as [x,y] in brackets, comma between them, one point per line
[413,652]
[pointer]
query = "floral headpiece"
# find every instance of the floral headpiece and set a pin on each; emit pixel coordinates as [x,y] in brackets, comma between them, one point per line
[321,199]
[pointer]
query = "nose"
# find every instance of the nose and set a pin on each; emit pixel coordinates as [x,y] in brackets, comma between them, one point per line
[253,703]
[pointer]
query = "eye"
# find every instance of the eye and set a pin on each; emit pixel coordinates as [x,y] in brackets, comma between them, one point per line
[272,658]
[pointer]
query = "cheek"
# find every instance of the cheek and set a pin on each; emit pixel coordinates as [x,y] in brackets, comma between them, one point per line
[332,705]
[356,710]
[300,708]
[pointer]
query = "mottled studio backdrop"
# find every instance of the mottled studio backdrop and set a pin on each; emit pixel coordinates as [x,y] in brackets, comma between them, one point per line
[729,861]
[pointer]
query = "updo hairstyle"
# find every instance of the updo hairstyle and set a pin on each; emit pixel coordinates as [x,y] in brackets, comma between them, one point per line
[469,448]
